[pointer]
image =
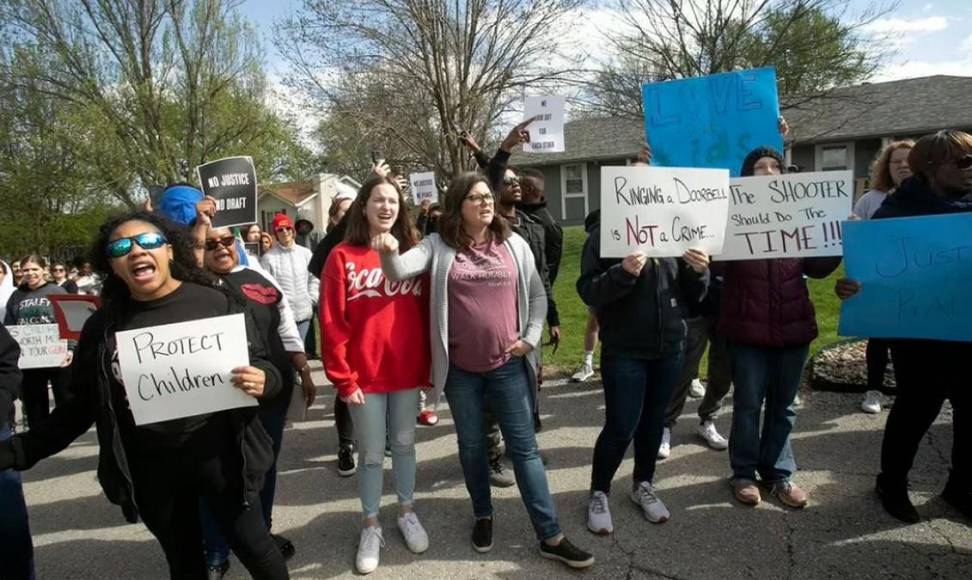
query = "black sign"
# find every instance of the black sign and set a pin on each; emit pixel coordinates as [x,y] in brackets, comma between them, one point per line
[232,181]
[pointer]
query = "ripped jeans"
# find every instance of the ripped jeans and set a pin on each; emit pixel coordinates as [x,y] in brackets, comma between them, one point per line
[394,413]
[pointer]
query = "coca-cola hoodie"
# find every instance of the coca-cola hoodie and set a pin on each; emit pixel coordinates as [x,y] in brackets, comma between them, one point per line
[375,331]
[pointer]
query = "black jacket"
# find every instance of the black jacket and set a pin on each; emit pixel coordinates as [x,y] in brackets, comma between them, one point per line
[9,374]
[323,250]
[92,403]
[640,317]
[915,198]
[553,236]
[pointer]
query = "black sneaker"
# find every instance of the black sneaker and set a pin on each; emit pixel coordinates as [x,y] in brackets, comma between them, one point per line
[567,553]
[285,546]
[959,498]
[217,572]
[498,475]
[482,536]
[345,462]
[894,498]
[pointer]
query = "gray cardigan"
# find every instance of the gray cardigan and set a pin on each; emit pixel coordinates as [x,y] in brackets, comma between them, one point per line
[433,253]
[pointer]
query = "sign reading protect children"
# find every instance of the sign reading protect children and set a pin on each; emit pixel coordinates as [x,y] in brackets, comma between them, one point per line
[183,369]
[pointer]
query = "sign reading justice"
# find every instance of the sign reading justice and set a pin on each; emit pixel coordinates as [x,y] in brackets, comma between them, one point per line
[183,369]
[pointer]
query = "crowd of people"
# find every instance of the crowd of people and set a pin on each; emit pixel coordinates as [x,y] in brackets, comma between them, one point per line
[450,302]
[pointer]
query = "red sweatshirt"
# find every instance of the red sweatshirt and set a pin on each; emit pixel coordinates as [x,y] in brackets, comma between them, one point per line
[376,332]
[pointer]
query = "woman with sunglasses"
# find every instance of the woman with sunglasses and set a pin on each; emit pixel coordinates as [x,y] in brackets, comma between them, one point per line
[29,305]
[487,310]
[275,321]
[59,276]
[376,351]
[287,262]
[941,165]
[160,471]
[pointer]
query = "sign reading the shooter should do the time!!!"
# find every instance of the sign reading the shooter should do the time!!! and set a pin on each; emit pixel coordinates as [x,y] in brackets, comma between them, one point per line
[788,216]
[232,182]
[183,369]
[662,211]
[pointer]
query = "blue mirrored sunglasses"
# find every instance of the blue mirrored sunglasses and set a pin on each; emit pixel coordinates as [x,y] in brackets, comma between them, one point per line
[147,241]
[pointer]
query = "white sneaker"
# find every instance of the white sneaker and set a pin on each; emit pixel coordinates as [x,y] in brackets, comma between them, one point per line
[872,402]
[599,514]
[797,401]
[665,449]
[697,390]
[586,371]
[655,511]
[707,430]
[415,536]
[369,547]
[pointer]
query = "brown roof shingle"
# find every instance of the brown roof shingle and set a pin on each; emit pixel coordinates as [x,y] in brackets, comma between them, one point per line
[294,192]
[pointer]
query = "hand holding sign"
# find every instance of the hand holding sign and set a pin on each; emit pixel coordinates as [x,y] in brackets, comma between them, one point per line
[634,263]
[698,260]
[250,380]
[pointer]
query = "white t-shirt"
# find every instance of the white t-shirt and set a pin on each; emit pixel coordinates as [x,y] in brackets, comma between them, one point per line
[869,203]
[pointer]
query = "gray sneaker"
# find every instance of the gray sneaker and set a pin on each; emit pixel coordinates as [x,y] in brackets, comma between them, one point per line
[498,475]
[644,497]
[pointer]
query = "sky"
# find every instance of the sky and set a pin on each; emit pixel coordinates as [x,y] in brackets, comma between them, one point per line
[931,37]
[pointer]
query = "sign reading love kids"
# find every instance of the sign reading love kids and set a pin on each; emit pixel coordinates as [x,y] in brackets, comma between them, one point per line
[179,370]
[915,275]
[712,121]
[787,216]
[662,211]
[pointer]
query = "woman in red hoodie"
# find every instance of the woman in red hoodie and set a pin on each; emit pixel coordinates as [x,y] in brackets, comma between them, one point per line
[376,352]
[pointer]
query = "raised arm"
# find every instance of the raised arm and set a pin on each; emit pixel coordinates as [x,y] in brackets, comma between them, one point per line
[412,263]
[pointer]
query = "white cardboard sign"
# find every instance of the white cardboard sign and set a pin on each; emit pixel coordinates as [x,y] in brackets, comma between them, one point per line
[662,211]
[547,132]
[41,346]
[423,186]
[788,216]
[180,370]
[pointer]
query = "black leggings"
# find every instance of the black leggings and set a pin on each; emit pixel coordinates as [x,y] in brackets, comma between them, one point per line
[37,403]
[877,355]
[168,486]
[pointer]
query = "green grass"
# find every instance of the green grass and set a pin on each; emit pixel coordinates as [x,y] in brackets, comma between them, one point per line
[573,312]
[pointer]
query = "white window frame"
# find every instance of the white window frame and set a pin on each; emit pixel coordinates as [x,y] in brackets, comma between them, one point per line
[564,196]
[818,155]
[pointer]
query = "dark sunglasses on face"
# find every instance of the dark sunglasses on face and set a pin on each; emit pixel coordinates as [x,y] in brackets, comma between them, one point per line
[226,242]
[147,241]
[510,180]
[58,269]
[284,229]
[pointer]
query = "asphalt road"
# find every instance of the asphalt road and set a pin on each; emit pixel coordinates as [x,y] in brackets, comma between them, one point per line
[842,534]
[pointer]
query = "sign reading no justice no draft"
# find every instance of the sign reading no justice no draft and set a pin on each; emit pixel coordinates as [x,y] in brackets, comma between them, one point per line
[232,182]
[180,370]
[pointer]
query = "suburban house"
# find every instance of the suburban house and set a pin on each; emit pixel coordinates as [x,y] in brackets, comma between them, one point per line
[844,130]
[309,200]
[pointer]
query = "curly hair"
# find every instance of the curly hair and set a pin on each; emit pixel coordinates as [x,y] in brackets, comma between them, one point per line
[182,267]
[881,167]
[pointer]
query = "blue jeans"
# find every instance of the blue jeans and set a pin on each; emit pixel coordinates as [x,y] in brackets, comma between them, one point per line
[16,548]
[392,414]
[771,375]
[636,395]
[511,399]
[302,327]
[274,418]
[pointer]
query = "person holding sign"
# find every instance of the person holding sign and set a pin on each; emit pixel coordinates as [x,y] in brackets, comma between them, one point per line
[159,471]
[640,304]
[487,312]
[768,321]
[29,305]
[376,352]
[276,323]
[942,184]
[888,171]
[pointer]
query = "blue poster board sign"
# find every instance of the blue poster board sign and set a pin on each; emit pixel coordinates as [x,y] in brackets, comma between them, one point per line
[915,275]
[712,121]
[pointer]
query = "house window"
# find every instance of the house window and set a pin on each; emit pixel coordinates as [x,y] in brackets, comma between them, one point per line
[574,185]
[836,156]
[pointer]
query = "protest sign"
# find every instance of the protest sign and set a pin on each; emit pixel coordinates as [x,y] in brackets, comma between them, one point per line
[661,211]
[547,132]
[787,216]
[423,187]
[183,369]
[41,345]
[71,312]
[914,273]
[712,121]
[232,181]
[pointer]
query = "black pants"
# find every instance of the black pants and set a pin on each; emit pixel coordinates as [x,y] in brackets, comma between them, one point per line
[37,403]
[927,373]
[168,485]
[342,419]
[877,356]
[310,341]
[701,331]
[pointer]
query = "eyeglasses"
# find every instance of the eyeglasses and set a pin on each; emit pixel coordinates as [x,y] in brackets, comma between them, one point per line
[225,241]
[147,241]
[284,229]
[57,269]
[511,180]
[480,198]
